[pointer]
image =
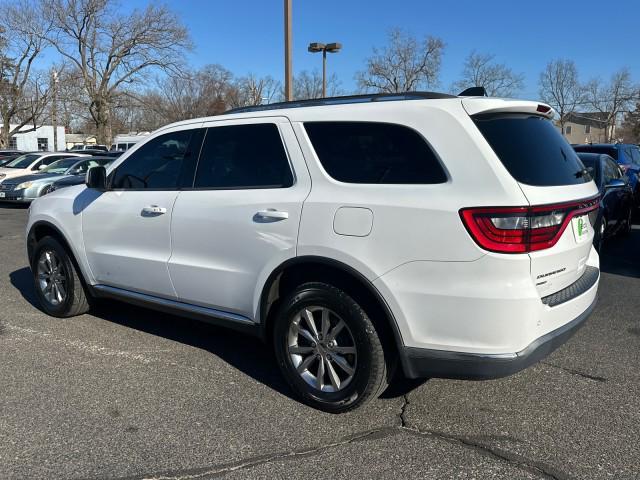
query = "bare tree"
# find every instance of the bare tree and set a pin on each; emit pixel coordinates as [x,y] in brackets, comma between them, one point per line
[113,51]
[24,92]
[630,131]
[307,85]
[405,64]
[480,70]
[208,91]
[560,88]
[613,98]
[254,90]
[72,100]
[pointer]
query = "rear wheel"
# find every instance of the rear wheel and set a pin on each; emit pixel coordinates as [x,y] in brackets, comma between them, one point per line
[58,284]
[328,349]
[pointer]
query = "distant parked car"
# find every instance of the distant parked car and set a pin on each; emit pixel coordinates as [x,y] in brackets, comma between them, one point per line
[10,153]
[31,163]
[616,201]
[27,188]
[72,180]
[627,156]
[9,158]
[102,148]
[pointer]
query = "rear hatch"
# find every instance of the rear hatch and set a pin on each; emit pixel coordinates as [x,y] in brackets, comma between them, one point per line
[562,197]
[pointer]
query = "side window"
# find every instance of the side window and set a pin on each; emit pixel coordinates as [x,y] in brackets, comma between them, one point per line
[635,152]
[611,171]
[157,165]
[83,167]
[374,153]
[243,156]
[617,173]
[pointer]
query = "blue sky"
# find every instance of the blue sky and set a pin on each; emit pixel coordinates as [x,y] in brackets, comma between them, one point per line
[247,35]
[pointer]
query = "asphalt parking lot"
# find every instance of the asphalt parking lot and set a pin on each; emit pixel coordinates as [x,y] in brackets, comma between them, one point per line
[126,393]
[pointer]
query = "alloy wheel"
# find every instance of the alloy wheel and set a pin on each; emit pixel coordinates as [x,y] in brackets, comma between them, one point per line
[51,278]
[322,349]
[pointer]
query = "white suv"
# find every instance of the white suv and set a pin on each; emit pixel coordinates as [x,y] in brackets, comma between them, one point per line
[448,235]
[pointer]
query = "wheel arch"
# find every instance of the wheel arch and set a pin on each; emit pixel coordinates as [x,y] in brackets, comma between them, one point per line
[303,269]
[43,228]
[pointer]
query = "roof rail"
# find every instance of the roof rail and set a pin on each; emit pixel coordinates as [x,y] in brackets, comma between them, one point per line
[316,102]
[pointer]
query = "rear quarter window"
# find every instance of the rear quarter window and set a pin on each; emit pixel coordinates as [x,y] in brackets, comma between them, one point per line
[374,153]
[532,149]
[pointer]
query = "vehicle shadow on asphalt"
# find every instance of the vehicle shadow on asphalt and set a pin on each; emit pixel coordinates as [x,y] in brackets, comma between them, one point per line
[621,255]
[245,353]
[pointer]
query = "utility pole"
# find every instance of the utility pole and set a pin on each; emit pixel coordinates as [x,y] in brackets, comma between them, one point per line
[54,110]
[288,69]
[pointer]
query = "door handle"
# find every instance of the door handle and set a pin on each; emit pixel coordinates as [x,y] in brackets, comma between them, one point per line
[154,210]
[272,214]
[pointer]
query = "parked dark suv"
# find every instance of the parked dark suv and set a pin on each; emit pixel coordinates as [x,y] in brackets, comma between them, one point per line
[627,156]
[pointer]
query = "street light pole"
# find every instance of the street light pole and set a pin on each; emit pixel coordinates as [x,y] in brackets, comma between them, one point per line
[54,110]
[288,69]
[324,48]
[324,73]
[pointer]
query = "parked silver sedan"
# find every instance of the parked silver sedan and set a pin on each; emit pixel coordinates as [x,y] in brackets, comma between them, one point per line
[27,188]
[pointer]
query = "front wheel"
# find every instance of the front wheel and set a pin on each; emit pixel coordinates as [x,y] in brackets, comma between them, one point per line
[328,349]
[58,285]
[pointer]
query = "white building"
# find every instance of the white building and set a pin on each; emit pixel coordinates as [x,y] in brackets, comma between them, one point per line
[39,139]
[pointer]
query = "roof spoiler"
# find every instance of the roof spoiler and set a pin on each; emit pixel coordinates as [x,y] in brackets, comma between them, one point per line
[473,92]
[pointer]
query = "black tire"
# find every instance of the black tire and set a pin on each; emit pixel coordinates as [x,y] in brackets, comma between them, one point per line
[371,370]
[75,300]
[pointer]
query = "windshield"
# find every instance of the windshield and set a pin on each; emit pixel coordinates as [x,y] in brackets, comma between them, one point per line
[532,149]
[23,161]
[77,147]
[60,166]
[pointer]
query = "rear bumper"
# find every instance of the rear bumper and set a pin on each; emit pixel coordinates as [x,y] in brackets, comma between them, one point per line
[424,363]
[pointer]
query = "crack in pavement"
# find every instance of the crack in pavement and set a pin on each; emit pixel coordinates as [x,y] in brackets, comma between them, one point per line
[215,471]
[542,469]
[578,373]
[403,411]
[539,468]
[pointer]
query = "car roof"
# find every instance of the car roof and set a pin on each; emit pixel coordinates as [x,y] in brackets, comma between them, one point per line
[378,104]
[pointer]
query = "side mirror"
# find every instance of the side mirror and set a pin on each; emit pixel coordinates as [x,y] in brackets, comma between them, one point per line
[615,183]
[42,167]
[97,178]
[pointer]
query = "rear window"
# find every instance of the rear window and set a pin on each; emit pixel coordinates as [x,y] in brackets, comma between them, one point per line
[374,153]
[532,149]
[611,151]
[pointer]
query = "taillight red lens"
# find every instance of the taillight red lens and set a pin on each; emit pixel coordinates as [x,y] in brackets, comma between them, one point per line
[522,229]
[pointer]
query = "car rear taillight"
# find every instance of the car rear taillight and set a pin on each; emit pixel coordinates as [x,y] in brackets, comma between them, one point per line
[523,229]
